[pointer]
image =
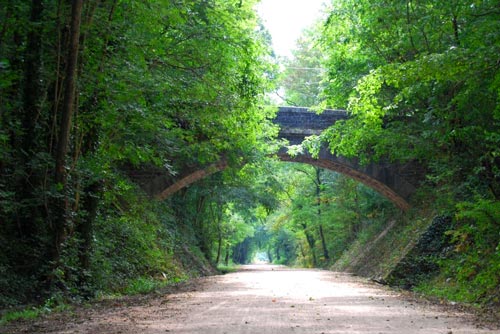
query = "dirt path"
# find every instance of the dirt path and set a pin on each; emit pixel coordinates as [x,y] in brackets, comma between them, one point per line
[264,299]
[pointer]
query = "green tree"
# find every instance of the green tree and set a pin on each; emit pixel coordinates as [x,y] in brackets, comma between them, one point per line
[302,77]
[426,95]
[420,81]
[96,93]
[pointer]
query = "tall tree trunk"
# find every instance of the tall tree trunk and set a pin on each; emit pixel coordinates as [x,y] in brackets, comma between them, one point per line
[60,174]
[226,260]
[219,247]
[356,226]
[302,251]
[456,29]
[269,255]
[323,242]
[92,193]
[32,87]
[31,112]
[85,230]
[318,213]
[29,218]
[311,242]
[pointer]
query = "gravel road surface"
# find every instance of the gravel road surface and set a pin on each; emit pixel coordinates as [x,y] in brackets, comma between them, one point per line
[264,299]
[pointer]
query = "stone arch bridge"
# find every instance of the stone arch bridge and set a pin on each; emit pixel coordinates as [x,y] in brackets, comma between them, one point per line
[395,182]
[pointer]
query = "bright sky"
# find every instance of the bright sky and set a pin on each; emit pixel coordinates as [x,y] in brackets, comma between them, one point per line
[285,20]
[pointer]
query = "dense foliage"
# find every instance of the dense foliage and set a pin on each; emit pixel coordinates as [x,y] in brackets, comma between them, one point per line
[425,86]
[421,83]
[94,91]
[320,214]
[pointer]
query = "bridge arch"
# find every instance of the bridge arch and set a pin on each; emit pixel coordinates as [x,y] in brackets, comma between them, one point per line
[376,176]
[395,182]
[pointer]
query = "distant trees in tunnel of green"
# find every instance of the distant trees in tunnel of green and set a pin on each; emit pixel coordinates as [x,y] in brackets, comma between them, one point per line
[319,214]
[296,214]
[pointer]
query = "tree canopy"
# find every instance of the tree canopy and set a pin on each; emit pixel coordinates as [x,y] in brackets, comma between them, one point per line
[420,82]
[94,91]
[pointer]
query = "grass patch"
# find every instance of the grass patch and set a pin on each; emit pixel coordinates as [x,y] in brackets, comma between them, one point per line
[227,269]
[143,285]
[51,305]
[27,314]
[140,285]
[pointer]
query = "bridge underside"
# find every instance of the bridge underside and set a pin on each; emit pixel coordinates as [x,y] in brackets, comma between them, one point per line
[395,182]
[380,177]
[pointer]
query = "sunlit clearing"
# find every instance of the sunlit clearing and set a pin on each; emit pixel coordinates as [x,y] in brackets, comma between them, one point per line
[260,258]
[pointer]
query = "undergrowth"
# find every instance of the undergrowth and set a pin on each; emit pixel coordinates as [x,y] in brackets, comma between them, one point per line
[226,269]
[470,272]
[51,305]
[458,261]
[144,285]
